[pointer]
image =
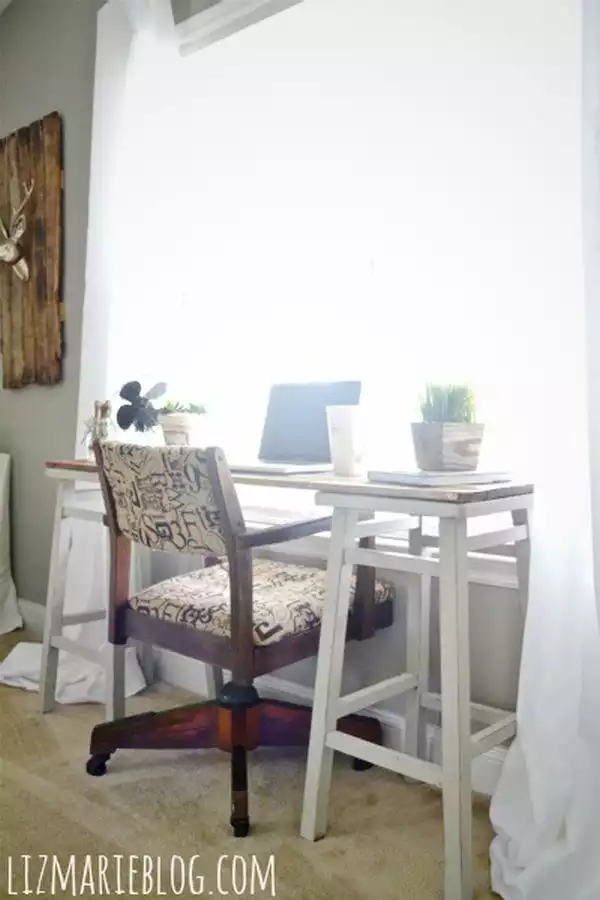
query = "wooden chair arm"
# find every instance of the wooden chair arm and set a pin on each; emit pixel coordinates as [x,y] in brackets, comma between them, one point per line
[279,534]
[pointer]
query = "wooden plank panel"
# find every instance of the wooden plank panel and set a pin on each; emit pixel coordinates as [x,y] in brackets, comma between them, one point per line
[38,253]
[17,287]
[54,312]
[6,275]
[27,288]
[31,312]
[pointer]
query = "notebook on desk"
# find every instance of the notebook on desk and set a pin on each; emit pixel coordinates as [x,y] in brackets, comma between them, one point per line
[438,479]
[295,437]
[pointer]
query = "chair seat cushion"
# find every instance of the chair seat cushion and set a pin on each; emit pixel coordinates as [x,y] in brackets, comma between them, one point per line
[288,600]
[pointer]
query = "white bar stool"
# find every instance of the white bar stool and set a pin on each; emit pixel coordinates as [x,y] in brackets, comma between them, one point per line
[83,505]
[453,508]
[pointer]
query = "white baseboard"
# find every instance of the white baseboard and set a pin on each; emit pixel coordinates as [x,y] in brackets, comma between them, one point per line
[181,672]
[33,616]
[189,674]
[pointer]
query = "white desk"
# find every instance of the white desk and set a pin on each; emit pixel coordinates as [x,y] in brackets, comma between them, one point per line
[355,503]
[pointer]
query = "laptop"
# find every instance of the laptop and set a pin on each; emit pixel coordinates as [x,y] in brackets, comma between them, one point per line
[295,438]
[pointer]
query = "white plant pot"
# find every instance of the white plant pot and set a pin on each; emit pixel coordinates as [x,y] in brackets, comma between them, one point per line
[181,428]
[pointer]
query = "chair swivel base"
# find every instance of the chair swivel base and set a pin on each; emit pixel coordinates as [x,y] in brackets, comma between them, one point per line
[233,726]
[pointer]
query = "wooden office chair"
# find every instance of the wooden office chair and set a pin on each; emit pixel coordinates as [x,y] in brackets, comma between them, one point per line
[248,616]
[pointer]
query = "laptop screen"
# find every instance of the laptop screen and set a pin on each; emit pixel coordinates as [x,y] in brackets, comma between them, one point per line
[295,429]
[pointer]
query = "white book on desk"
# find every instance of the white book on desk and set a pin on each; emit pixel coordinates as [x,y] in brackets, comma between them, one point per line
[437,479]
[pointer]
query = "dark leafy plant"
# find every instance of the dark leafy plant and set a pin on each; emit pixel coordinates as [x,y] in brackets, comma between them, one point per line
[139,411]
[173,406]
[448,403]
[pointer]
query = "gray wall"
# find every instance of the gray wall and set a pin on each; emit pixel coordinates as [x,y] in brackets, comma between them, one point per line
[47,50]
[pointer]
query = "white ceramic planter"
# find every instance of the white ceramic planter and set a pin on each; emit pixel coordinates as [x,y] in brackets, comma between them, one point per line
[181,428]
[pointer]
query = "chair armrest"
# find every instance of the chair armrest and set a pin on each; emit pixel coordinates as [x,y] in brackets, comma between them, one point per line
[279,534]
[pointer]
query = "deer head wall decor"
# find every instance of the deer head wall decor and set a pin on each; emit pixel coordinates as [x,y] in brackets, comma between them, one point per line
[11,251]
[33,313]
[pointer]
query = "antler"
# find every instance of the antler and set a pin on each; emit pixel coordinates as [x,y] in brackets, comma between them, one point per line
[17,213]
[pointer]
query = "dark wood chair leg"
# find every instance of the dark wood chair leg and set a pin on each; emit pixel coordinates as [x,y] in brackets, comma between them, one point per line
[237,722]
[240,820]
[239,716]
[186,727]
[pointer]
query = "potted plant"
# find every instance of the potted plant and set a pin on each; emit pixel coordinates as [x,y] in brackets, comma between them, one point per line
[448,439]
[179,421]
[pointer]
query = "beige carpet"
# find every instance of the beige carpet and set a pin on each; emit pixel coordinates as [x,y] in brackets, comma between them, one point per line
[384,841]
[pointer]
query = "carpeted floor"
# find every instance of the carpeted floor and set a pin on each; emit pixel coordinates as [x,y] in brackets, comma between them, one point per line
[384,842]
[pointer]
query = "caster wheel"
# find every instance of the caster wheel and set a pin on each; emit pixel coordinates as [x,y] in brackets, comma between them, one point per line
[241,829]
[361,765]
[96,765]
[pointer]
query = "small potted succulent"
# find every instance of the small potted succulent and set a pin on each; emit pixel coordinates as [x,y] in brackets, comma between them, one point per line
[448,439]
[179,421]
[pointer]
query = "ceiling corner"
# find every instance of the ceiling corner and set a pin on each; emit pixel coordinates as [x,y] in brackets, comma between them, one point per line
[3,5]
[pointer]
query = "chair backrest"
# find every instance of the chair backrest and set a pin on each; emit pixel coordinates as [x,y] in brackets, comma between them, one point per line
[168,498]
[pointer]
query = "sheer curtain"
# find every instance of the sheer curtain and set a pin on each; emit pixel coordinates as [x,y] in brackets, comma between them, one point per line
[545,810]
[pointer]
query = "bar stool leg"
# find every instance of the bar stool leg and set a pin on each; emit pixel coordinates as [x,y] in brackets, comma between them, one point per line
[523,557]
[418,616]
[456,712]
[140,577]
[328,681]
[55,599]
[214,681]
[115,681]
[417,644]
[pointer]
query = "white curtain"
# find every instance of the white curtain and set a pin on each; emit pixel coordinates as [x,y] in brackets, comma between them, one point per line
[10,617]
[545,811]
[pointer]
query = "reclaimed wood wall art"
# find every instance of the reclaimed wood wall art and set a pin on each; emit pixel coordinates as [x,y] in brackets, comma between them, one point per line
[31,308]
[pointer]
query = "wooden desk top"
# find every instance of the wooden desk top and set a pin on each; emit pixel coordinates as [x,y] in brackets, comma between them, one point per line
[331,484]
[73,465]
